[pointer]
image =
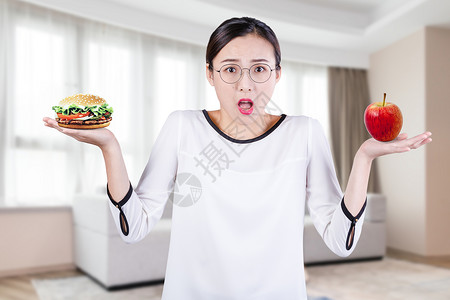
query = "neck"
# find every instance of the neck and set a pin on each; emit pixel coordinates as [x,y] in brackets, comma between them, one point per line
[244,128]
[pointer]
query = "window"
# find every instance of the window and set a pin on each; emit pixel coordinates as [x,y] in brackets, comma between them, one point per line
[303,90]
[35,161]
[52,55]
[107,73]
[171,87]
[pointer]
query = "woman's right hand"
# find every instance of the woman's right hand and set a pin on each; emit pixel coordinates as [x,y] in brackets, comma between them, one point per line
[100,137]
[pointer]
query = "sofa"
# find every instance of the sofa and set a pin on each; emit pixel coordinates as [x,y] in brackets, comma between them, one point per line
[104,256]
[371,244]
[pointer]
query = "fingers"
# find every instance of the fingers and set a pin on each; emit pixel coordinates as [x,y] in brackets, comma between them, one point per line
[401,144]
[421,143]
[419,140]
[402,136]
[49,122]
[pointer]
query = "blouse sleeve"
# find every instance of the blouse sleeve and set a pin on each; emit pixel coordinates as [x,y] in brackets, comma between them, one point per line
[335,224]
[142,208]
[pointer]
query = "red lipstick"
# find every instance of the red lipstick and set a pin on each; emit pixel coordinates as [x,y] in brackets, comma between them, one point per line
[245,106]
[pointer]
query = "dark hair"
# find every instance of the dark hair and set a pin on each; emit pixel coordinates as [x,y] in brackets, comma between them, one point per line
[236,27]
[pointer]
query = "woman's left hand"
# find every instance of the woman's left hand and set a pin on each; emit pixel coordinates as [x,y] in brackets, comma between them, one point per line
[373,148]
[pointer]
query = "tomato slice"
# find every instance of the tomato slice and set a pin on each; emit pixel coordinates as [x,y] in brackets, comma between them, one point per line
[71,117]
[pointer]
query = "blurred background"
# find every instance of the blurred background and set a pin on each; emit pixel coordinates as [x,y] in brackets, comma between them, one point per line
[147,59]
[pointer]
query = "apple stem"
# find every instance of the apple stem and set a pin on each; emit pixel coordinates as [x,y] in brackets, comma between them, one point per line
[384,100]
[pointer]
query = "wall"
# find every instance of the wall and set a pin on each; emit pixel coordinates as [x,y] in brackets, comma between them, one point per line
[35,240]
[415,74]
[438,122]
[399,70]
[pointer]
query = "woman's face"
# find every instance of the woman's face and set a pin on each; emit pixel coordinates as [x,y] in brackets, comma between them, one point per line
[244,99]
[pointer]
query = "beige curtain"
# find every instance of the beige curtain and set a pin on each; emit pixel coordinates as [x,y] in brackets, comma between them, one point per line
[348,98]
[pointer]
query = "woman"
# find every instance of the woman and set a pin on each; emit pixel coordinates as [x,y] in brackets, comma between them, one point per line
[237,232]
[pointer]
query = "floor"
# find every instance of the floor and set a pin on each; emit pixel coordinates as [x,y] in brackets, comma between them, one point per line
[441,261]
[20,287]
[386,279]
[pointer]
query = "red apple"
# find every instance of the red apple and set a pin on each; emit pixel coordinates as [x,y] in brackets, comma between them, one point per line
[383,120]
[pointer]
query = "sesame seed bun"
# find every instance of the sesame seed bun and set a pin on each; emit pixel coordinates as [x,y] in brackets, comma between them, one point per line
[83,126]
[82,99]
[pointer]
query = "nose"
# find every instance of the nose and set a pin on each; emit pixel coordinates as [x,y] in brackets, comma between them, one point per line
[245,83]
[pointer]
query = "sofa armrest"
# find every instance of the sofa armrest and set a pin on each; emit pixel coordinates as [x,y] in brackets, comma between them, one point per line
[376,208]
[92,211]
[372,243]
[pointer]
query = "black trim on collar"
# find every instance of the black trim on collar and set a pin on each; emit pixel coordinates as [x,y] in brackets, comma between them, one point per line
[205,113]
[353,219]
[122,218]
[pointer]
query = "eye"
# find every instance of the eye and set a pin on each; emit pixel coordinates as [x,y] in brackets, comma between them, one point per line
[260,69]
[230,70]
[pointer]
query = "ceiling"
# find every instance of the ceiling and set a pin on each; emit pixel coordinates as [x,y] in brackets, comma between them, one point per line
[344,24]
[310,28]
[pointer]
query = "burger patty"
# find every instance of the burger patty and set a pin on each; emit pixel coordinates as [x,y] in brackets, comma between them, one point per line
[83,122]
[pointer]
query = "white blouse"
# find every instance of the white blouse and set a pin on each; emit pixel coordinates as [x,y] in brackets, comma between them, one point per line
[239,205]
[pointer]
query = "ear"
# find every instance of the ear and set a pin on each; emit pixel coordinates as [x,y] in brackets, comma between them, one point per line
[278,74]
[209,75]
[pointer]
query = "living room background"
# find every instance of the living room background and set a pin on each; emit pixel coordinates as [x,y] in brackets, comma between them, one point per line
[50,55]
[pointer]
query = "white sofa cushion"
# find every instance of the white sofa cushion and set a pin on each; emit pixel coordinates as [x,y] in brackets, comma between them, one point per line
[376,208]
[101,252]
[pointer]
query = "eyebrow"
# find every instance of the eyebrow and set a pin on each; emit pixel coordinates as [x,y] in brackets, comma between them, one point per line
[237,60]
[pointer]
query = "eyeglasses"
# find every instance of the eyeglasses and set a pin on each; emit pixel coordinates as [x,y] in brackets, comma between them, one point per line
[232,73]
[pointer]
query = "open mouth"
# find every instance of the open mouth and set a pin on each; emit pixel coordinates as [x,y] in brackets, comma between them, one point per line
[245,106]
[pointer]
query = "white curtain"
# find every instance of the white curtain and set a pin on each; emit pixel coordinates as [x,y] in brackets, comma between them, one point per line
[302,90]
[46,55]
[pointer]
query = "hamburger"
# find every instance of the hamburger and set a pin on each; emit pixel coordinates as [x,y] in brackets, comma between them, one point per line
[83,111]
